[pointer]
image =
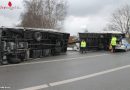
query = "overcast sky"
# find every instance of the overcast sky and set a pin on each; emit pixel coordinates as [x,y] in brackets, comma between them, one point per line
[90,14]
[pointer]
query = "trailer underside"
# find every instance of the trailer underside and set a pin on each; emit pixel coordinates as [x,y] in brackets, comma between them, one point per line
[21,44]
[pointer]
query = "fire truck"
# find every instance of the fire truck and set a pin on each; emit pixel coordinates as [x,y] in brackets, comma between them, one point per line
[18,44]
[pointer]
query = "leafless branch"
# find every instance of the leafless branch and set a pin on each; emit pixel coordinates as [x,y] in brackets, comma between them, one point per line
[43,13]
[120,20]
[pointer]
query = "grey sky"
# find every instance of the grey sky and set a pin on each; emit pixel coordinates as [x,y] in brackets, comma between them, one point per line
[91,7]
[10,17]
[90,14]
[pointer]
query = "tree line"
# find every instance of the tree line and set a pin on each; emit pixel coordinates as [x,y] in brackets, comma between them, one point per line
[51,14]
[120,20]
[44,14]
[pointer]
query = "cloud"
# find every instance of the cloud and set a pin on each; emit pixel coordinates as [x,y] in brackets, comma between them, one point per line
[5,21]
[10,17]
[92,7]
[91,14]
[75,24]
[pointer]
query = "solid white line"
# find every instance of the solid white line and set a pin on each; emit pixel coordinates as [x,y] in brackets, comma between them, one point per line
[36,87]
[75,79]
[59,60]
[88,76]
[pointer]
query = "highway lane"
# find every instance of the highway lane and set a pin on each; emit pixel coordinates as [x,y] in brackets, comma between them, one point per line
[118,80]
[67,67]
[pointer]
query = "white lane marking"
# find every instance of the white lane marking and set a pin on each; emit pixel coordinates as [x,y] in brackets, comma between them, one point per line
[59,60]
[36,87]
[75,79]
[88,76]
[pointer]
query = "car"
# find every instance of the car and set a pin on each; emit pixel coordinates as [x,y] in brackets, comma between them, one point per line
[124,45]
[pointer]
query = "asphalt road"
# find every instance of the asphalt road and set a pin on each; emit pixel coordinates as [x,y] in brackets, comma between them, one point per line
[72,71]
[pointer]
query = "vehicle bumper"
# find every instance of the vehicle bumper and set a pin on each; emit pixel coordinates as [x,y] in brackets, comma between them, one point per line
[120,48]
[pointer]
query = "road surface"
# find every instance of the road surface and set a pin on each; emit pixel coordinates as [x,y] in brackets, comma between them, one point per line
[72,71]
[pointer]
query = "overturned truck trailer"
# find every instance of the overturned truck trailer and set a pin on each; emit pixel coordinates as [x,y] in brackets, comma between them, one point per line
[19,44]
[99,41]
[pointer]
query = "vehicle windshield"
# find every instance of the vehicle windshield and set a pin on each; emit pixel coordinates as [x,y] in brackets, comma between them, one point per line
[124,41]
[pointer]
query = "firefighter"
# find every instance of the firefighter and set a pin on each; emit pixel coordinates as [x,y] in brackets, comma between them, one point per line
[83,46]
[113,43]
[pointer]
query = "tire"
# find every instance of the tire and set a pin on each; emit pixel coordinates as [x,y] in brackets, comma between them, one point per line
[58,43]
[37,36]
[14,60]
[5,62]
[47,52]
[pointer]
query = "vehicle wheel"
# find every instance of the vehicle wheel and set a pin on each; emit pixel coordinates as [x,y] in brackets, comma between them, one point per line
[37,36]
[14,60]
[4,62]
[47,52]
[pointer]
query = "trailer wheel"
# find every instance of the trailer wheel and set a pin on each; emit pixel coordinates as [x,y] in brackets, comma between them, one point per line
[58,43]
[47,52]
[4,62]
[37,36]
[14,60]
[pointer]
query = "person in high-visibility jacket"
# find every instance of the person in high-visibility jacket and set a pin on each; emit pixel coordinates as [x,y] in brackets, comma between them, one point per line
[83,46]
[113,43]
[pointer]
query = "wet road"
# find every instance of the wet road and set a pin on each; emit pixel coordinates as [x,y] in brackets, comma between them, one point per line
[73,71]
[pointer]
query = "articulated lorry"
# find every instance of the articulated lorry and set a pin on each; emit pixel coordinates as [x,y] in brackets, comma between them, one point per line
[19,44]
[99,41]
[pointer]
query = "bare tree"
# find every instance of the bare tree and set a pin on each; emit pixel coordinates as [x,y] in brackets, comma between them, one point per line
[111,27]
[43,13]
[120,20]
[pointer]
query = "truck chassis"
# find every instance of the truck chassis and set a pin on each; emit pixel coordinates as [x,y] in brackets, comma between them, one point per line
[20,44]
